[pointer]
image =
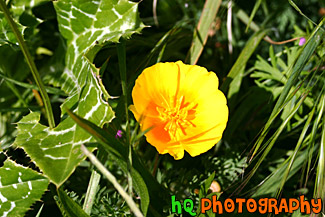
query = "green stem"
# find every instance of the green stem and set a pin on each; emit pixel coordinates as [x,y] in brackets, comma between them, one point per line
[320,176]
[30,63]
[52,90]
[113,180]
[91,192]
[16,92]
[122,65]
[300,12]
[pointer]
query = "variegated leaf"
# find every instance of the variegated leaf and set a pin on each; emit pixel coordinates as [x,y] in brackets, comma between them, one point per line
[17,8]
[6,34]
[57,152]
[84,24]
[20,187]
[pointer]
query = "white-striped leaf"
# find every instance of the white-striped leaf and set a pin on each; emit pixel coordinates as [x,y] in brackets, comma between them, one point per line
[57,152]
[17,8]
[84,24]
[20,187]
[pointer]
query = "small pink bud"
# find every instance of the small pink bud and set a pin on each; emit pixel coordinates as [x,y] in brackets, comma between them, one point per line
[118,134]
[302,41]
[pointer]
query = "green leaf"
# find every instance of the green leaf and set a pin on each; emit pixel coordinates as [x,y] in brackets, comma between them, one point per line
[19,7]
[300,12]
[39,211]
[204,194]
[13,66]
[208,182]
[91,191]
[245,19]
[87,25]
[200,37]
[84,24]
[21,11]
[31,64]
[277,72]
[299,63]
[120,153]
[6,34]
[20,187]
[319,190]
[267,71]
[256,6]
[12,63]
[234,88]
[244,56]
[69,207]
[293,72]
[271,184]
[57,151]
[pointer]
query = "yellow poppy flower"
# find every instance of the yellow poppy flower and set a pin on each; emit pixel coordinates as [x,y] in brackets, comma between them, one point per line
[182,107]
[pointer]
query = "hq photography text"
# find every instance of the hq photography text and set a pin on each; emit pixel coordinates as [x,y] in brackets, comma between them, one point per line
[262,205]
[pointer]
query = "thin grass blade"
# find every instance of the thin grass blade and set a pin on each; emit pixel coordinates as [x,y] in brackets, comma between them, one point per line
[113,180]
[269,144]
[294,71]
[293,156]
[320,176]
[244,56]
[91,192]
[51,90]
[256,6]
[200,37]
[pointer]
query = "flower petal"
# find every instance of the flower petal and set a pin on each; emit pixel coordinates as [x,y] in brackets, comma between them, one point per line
[182,106]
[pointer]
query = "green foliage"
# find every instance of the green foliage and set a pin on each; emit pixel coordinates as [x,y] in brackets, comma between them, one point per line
[86,24]
[20,187]
[293,72]
[80,82]
[200,36]
[204,194]
[110,203]
[243,58]
[7,36]
[68,206]
[88,57]
[56,152]
[143,181]
[11,66]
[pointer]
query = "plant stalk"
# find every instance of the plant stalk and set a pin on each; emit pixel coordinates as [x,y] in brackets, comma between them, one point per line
[122,66]
[91,192]
[31,64]
[128,199]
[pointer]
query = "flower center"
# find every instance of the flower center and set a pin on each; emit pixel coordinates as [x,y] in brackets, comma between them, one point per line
[177,118]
